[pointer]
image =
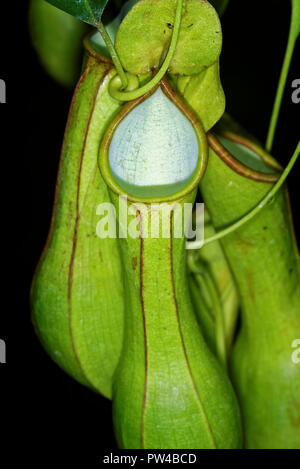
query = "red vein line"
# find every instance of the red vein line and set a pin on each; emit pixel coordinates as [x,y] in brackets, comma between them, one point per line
[181,334]
[58,178]
[145,332]
[70,278]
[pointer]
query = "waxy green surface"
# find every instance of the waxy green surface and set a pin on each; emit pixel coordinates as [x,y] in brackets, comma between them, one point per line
[169,389]
[170,392]
[77,293]
[204,94]
[145,33]
[265,262]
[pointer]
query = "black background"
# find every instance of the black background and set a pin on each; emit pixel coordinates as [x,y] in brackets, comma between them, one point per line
[43,410]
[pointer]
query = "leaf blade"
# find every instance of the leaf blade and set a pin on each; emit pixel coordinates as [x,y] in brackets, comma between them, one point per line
[89,11]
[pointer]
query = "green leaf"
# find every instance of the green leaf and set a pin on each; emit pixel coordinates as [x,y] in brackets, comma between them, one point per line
[89,11]
[144,36]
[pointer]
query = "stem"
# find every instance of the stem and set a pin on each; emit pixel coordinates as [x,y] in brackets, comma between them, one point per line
[283,77]
[255,211]
[131,95]
[113,54]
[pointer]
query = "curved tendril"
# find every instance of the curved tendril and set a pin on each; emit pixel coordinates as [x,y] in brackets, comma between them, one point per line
[283,77]
[113,54]
[267,199]
[114,86]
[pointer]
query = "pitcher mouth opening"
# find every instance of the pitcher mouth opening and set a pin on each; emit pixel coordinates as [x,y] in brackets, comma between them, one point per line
[245,157]
[193,181]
